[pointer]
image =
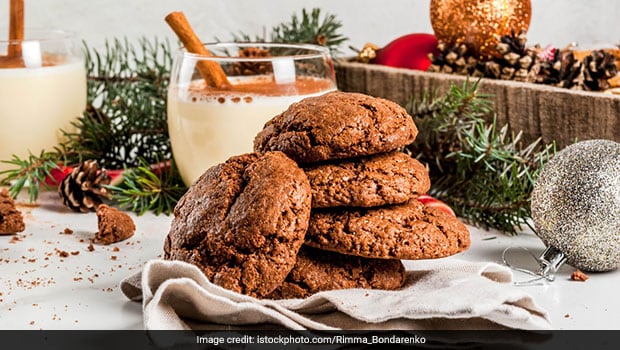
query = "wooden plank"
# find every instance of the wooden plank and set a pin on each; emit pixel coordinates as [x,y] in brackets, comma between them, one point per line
[554,114]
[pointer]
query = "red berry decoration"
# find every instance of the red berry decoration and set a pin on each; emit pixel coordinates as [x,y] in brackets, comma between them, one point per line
[409,51]
[61,171]
[436,203]
[57,175]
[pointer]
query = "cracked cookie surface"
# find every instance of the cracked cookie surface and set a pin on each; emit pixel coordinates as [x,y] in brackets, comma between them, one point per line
[337,125]
[243,221]
[405,231]
[388,178]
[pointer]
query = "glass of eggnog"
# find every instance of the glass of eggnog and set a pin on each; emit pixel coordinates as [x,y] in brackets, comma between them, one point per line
[209,124]
[42,90]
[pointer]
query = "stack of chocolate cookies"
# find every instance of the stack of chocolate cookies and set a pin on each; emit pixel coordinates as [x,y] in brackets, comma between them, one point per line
[327,201]
[364,189]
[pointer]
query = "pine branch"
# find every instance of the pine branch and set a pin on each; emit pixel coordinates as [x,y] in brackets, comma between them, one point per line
[126,113]
[149,187]
[441,121]
[31,172]
[310,29]
[484,172]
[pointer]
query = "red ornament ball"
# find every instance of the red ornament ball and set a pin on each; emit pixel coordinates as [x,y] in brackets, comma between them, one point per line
[433,202]
[408,51]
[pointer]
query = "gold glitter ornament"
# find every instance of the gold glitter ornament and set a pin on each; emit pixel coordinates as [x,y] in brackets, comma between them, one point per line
[478,23]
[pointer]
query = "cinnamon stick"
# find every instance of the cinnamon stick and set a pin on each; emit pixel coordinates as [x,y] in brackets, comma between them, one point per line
[16,28]
[211,71]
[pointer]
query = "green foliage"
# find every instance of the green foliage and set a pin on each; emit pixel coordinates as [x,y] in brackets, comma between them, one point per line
[149,187]
[30,172]
[311,28]
[484,172]
[125,116]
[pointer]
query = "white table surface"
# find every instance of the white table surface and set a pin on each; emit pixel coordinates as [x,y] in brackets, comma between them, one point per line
[39,289]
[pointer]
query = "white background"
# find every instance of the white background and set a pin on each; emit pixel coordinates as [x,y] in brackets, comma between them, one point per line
[557,22]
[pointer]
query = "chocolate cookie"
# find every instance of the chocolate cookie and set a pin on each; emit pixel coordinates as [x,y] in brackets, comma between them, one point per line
[337,125]
[388,178]
[318,270]
[243,221]
[11,219]
[405,231]
[114,225]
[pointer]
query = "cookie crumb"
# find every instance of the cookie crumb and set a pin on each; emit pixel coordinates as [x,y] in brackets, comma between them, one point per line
[578,275]
[113,257]
[567,316]
[62,253]
[116,249]
[75,252]
[11,219]
[67,231]
[114,225]
[91,247]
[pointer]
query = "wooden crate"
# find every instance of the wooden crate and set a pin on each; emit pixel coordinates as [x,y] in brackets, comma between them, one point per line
[554,114]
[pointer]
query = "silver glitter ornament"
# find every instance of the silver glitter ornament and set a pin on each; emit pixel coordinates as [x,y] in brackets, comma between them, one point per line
[576,207]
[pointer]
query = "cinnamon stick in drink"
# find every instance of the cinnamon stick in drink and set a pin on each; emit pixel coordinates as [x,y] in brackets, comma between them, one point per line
[13,58]
[16,28]
[211,71]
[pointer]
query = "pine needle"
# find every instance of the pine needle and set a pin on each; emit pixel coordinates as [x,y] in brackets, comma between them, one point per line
[149,187]
[31,172]
[309,28]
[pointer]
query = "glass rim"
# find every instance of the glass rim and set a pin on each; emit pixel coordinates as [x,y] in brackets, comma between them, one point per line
[43,35]
[315,51]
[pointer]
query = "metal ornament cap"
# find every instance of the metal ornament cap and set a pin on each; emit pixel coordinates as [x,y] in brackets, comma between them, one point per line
[576,204]
[550,261]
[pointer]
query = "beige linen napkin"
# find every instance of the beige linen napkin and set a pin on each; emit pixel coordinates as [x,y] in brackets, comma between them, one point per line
[439,294]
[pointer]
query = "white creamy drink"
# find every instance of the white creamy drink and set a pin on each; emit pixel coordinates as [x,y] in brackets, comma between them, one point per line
[35,103]
[207,126]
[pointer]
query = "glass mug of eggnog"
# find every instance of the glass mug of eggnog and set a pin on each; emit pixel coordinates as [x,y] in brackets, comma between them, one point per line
[207,124]
[42,90]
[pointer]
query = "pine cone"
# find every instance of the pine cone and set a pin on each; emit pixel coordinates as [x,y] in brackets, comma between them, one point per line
[563,70]
[83,189]
[515,61]
[598,68]
[367,53]
[452,59]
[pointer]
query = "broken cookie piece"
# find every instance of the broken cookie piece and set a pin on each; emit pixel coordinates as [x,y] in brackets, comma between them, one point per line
[578,275]
[11,219]
[114,225]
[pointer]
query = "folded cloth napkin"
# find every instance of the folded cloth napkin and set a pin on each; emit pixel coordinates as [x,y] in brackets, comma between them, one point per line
[442,294]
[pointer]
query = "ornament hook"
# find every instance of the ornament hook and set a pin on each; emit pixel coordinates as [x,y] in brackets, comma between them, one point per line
[549,262]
